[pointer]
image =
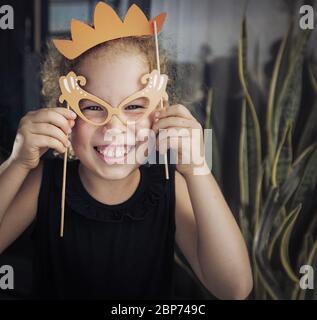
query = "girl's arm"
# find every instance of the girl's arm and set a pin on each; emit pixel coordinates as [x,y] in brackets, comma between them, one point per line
[19,189]
[208,236]
[21,174]
[206,230]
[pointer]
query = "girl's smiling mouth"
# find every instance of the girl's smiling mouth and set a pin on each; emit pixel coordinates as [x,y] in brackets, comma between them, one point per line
[112,153]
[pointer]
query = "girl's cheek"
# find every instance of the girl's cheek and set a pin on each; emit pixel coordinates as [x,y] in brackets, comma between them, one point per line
[75,132]
[144,130]
[147,122]
[80,132]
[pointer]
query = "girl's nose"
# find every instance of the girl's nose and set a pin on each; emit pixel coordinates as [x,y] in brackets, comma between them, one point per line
[114,122]
[113,127]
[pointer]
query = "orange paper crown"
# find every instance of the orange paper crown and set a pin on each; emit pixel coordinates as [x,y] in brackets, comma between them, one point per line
[107,26]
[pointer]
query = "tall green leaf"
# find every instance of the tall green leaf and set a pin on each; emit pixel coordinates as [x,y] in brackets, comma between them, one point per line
[285,243]
[252,133]
[288,101]
[308,180]
[275,201]
[283,158]
[272,96]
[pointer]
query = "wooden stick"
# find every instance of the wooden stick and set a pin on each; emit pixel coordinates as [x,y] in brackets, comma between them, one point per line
[63,191]
[161,100]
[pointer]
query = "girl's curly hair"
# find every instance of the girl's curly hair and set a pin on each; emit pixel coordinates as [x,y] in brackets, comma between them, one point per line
[56,65]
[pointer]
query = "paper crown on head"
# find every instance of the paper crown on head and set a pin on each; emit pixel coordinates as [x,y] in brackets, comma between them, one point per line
[107,26]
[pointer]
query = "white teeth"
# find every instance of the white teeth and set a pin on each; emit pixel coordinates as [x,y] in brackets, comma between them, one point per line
[114,151]
[110,153]
[120,151]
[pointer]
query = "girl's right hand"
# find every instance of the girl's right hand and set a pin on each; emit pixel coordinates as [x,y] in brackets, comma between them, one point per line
[40,130]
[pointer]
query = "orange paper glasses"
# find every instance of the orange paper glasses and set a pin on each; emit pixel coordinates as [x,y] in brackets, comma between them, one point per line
[98,112]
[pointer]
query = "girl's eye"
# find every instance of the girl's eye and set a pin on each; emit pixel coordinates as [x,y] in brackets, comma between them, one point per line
[133,107]
[94,108]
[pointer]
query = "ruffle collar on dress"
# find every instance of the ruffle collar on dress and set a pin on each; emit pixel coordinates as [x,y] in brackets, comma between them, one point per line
[151,188]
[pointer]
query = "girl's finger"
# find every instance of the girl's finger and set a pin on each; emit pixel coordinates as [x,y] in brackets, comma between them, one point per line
[53,117]
[50,130]
[174,110]
[67,113]
[42,141]
[172,122]
[172,143]
[174,132]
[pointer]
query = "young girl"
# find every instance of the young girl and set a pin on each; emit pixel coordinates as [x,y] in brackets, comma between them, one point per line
[121,220]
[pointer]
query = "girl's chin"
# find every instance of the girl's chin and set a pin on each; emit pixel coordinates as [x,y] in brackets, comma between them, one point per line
[108,170]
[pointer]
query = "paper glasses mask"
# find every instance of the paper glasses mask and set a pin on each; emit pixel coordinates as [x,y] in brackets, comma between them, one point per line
[99,112]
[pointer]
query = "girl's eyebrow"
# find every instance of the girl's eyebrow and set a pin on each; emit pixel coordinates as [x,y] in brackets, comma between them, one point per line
[88,101]
[141,99]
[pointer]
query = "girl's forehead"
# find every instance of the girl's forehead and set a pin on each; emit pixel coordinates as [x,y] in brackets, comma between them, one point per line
[114,78]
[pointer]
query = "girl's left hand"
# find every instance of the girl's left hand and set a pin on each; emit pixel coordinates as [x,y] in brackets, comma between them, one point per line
[184,134]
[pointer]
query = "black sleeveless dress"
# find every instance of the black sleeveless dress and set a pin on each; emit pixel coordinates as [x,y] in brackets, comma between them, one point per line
[123,251]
